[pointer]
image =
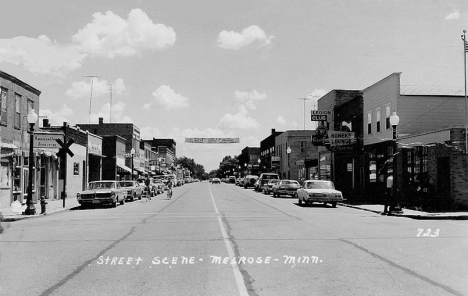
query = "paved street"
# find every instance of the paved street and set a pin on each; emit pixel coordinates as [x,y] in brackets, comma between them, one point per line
[222,239]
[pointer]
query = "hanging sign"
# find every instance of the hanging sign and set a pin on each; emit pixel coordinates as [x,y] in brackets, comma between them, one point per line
[341,138]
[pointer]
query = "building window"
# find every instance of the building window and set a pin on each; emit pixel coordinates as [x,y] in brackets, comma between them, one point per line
[18,111]
[3,104]
[76,168]
[369,122]
[387,116]
[303,143]
[377,123]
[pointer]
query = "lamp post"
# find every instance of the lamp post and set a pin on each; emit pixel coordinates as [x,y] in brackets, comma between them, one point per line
[132,152]
[32,118]
[288,151]
[394,120]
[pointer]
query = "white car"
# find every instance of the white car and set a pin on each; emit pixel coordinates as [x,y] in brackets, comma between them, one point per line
[319,191]
[102,192]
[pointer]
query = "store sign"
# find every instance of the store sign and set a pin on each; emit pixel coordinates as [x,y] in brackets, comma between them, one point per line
[318,115]
[47,140]
[338,138]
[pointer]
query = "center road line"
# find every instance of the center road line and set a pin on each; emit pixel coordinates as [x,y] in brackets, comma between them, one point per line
[235,268]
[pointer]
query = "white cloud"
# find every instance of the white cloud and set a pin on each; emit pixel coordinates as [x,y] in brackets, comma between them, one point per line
[82,89]
[240,120]
[281,121]
[41,55]
[249,35]
[453,16]
[109,35]
[249,98]
[118,115]
[56,118]
[168,98]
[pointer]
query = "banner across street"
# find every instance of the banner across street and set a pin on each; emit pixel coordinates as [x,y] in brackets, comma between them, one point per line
[212,140]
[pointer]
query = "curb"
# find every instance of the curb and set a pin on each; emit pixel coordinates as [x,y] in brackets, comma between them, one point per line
[22,217]
[416,217]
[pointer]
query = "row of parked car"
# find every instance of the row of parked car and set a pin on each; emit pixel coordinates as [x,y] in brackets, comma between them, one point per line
[110,192]
[308,192]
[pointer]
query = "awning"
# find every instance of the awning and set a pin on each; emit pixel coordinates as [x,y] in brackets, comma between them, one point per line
[96,154]
[125,168]
[140,170]
[8,145]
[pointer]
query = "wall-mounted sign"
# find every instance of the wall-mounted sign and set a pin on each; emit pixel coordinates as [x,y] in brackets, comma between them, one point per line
[47,140]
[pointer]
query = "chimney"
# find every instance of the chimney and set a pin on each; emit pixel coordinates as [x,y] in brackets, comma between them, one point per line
[101,120]
[273,131]
[45,122]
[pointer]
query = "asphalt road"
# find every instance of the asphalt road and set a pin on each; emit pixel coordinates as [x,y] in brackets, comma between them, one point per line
[226,240]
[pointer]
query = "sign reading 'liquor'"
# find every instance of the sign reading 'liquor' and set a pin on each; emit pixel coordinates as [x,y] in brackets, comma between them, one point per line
[212,140]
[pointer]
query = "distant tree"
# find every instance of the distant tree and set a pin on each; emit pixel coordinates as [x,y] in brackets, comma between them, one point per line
[196,170]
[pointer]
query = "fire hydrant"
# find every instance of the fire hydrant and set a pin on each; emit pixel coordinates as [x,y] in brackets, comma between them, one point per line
[43,205]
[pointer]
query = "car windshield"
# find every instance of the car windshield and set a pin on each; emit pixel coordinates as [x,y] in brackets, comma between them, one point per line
[319,185]
[101,185]
[126,184]
[274,181]
[290,182]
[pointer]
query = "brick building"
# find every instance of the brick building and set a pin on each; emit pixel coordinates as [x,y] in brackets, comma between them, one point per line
[17,98]
[294,147]
[127,131]
[166,150]
[269,159]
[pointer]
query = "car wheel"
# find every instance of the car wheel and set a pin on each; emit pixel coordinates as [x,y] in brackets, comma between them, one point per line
[114,203]
[122,202]
[334,204]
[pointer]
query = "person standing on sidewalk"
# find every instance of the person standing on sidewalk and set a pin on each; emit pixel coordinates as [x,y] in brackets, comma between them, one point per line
[388,196]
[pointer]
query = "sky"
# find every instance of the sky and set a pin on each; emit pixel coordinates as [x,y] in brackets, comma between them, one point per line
[216,68]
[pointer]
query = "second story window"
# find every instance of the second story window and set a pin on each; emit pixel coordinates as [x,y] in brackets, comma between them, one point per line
[18,111]
[387,117]
[3,106]
[378,111]
[369,122]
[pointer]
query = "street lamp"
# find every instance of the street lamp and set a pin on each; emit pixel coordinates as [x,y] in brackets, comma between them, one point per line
[32,118]
[394,120]
[132,152]
[288,151]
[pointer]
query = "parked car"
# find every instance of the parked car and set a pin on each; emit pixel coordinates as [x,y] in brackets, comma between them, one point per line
[102,192]
[159,186]
[267,187]
[216,181]
[249,181]
[134,189]
[232,179]
[152,188]
[319,191]
[288,187]
[264,178]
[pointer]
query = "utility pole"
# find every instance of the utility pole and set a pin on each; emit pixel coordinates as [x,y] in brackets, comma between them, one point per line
[110,109]
[91,97]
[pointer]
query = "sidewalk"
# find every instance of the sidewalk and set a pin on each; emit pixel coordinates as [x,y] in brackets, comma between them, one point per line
[53,206]
[411,213]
